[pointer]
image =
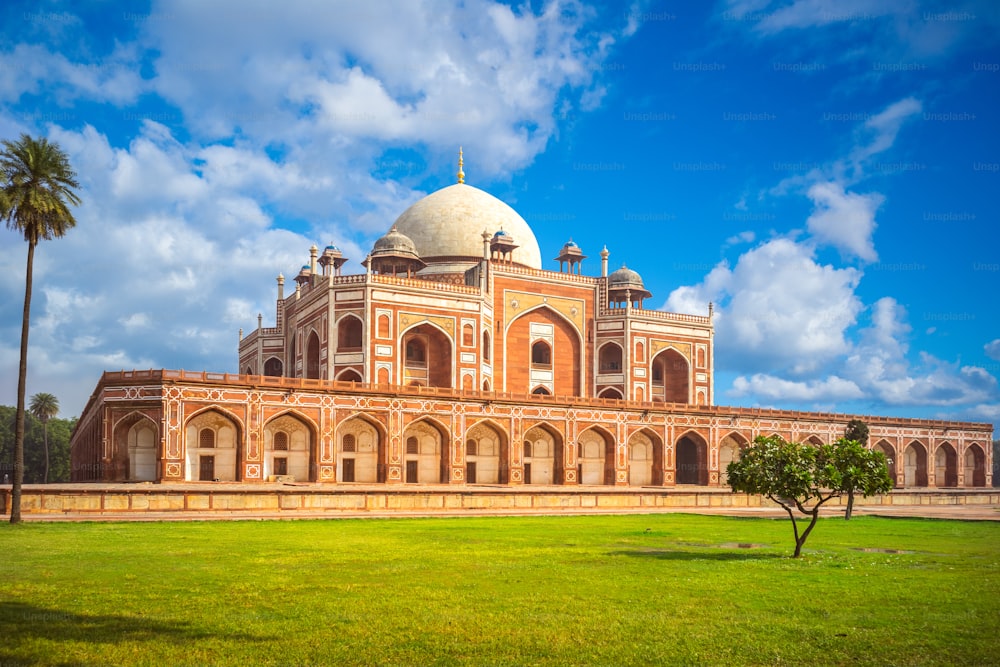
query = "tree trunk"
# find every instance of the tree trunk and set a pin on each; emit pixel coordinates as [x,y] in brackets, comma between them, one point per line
[850,505]
[22,378]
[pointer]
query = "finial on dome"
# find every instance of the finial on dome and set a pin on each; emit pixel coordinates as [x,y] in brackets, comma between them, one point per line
[461,174]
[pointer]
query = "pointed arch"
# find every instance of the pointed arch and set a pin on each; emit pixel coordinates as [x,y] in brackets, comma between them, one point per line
[889,452]
[487,453]
[945,466]
[609,358]
[427,354]
[350,333]
[486,346]
[610,392]
[814,440]
[671,377]
[427,451]
[361,450]
[349,375]
[730,448]
[542,454]
[915,465]
[975,465]
[563,372]
[273,367]
[312,355]
[135,448]
[290,446]
[215,458]
[596,456]
[645,459]
[691,458]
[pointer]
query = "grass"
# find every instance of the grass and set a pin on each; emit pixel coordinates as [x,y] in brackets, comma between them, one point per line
[608,590]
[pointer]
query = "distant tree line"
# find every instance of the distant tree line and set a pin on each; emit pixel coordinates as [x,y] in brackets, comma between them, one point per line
[59,431]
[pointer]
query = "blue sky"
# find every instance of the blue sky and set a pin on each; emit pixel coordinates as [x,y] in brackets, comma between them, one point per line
[825,171]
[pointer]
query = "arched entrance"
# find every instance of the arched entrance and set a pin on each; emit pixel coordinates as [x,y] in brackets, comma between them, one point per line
[212,447]
[729,451]
[312,356]
[914,465]
[486,455]
[551,346]
[135,449]
[890,457]
[427,357]
[692,459]
[596,457]
[975,466]
[288,449]
[645,459]
[542,455]
[425,453]
[945,466]
[670,376]
[360,452]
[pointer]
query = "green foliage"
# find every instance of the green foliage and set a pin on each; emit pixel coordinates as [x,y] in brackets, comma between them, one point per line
[804,477]
[857,430]
[34,447]
[665,589]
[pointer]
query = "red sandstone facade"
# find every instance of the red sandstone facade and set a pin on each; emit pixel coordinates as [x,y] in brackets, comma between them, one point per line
[455,359]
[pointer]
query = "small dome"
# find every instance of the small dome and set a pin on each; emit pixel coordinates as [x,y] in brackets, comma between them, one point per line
[625,277]
[570,244]
[395,243]
[332,247]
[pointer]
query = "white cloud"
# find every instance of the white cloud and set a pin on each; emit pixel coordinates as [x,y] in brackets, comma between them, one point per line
[778,307]
[992,349]
[768,387]
[30,68]
[844,220]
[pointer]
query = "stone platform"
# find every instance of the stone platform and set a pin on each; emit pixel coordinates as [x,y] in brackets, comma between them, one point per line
[219,500]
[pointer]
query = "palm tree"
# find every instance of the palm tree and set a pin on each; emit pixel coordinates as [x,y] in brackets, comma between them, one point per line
[36,182]
[44,407]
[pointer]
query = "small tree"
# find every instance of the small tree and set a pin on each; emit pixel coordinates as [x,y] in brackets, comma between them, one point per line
[857,430]
[44,407]
[859,469]
[793,475]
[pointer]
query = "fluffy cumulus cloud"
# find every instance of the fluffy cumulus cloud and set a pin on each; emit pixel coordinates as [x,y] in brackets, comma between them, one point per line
[779,308]
[992,349]
[844,220]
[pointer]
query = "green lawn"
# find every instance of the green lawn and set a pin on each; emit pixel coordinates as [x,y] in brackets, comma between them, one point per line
[608,590]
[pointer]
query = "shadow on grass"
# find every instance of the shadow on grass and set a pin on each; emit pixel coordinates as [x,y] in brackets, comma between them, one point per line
[677,554]
[26,629]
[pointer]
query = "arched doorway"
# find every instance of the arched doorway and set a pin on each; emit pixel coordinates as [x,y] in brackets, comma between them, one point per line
[609,358]
[273,367]
[360,452]
[670,377]
[729,451]
[136,443]
[288,449]
[551,345]
[212,447]
[350,334]
[645,459]
[975,466]
[542,455]
[486,455]
[427,357]
[692,459]
[425,453]
[914,465]
[890,457]
[596,457]
[312,356]
[945,466]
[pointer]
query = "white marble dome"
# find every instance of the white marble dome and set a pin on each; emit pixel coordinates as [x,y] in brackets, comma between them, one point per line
[449,224]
